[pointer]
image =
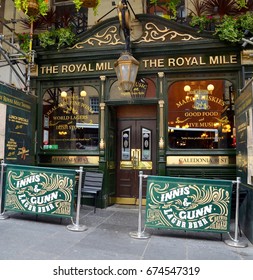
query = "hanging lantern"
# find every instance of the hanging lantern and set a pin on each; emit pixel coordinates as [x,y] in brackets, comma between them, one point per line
[126,68]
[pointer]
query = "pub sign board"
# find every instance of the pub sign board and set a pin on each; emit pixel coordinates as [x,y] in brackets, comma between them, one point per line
[188,204]
[39,190]
[19,136]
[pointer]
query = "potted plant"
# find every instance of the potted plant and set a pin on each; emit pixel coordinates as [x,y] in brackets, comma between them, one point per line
[57,37]
[202,22]
[232,29]
[65,37]
[32,8]
[47,38]
[229,29]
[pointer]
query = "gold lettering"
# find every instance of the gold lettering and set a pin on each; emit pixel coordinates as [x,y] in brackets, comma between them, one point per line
[160,63]
[84,68]
[223,60]
[90,68]
[99,66]
[64,68]
[145,61]
[171,62]
[188,60]
[55,69]
[153,63]
[233,58]
[71,68]
[201,62]
[194,61]
[78,67]
[49,69]
[180,61]
[214,60]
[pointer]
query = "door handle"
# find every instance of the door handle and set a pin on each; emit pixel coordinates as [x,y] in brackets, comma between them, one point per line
[135,158]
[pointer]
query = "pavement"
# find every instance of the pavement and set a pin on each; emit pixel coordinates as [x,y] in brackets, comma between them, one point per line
[30,237]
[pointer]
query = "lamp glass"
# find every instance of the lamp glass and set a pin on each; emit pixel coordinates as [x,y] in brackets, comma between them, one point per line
[187,88]
[63,94]
[83,93]
[126,68]
[210,87]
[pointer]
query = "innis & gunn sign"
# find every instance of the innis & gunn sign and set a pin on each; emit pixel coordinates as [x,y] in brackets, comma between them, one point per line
[188,204]
[40,190]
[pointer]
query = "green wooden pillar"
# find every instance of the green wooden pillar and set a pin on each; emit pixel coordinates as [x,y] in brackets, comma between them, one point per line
[161,144]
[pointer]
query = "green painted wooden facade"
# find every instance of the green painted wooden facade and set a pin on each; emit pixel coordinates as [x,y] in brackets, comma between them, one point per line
[168,53]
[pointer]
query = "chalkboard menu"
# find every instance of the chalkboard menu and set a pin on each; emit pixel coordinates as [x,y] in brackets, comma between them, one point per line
[20,125]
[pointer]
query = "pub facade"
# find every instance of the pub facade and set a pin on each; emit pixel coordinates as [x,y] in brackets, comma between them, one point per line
[179,119]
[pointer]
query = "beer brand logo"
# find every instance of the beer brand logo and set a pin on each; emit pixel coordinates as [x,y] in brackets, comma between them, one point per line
[39,193]
[188,206]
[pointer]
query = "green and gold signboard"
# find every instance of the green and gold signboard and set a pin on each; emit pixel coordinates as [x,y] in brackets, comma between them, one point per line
[47,191]
[188,204]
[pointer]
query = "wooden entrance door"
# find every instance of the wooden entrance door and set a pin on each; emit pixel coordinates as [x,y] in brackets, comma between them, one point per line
[136,151]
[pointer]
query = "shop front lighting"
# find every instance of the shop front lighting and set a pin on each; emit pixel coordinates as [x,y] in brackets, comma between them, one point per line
[126,66]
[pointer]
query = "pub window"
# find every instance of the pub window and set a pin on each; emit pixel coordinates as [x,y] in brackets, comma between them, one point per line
[143,88]
[94,104]
[201,115]
[161,8]
[69,122]
[67,16]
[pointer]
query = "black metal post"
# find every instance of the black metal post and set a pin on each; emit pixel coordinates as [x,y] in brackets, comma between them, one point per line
[125,22]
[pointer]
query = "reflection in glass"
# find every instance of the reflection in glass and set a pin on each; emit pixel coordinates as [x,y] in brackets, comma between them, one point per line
[126,148]
[146,144]
[73,124]
[201,115]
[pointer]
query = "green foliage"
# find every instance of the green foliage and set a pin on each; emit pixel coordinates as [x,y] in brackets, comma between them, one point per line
[171,5]
[23,5]
[202,22]
[65,37]
[241,3]
[229,30]
[232,29]
[47,38]
[246,21]
[43,7]
[24,42]
[79,3]
[57,37]
[228,26]
[19,4]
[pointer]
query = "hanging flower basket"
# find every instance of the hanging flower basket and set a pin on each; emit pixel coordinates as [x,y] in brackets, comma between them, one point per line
[86,3]
[32,8]
[90,3]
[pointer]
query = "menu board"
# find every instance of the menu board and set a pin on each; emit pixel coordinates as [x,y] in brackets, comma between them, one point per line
[19,125]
